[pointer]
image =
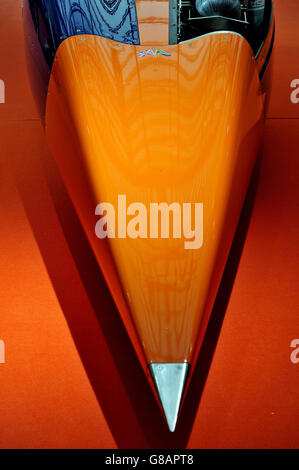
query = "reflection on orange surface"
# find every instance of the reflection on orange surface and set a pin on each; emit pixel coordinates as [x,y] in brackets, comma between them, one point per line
[153,19]
[183,128]
[61,347]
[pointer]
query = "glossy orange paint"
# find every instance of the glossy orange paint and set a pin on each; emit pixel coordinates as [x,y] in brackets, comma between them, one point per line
[153,21]
[46,394]
[182,128]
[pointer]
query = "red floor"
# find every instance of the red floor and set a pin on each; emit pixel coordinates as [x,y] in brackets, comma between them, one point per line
[70,378]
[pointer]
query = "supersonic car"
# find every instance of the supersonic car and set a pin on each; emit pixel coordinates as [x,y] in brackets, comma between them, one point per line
[154,113]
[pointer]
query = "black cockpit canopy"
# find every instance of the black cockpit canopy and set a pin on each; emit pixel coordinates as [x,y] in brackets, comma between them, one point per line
[193,18]
[226,8]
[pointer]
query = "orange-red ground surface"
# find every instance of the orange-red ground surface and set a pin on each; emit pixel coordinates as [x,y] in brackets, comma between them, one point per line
[71,378]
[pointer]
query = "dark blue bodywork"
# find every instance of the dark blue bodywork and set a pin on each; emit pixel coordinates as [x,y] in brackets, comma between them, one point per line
[56,20]
[49,22]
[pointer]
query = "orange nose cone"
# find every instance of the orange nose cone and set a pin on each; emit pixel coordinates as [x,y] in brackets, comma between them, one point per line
[180,128]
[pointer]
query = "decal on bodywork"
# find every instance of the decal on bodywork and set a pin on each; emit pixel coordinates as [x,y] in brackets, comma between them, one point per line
[155,52]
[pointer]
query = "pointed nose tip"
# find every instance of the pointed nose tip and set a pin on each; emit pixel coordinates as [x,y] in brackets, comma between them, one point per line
[170,380]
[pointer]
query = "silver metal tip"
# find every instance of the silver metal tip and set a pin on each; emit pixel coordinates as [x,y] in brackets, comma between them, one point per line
[170,381]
